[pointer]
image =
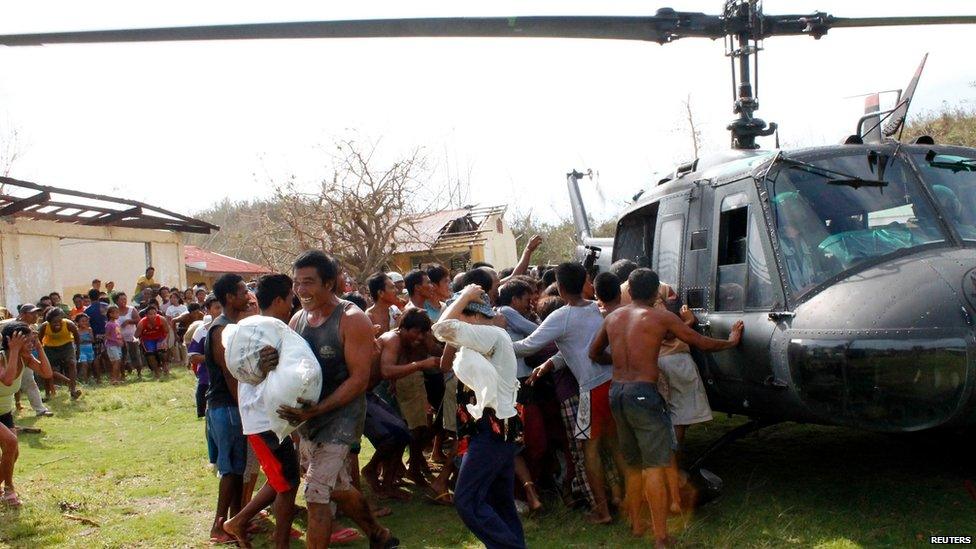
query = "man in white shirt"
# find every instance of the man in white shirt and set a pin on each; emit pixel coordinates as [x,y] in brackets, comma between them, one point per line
[485,364]
[278,460]
[572,328]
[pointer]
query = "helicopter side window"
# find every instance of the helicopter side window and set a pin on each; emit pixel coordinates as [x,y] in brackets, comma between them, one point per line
[759,291]
[669,250]
[732,245]
[635,236]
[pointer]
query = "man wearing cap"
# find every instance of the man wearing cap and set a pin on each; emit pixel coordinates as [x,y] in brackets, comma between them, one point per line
[486,369]
[27,313]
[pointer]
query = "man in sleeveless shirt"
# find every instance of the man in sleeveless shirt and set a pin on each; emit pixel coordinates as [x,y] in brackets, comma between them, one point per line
[224,428]
[341,336]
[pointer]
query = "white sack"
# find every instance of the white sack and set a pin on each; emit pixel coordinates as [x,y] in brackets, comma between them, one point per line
[297,375]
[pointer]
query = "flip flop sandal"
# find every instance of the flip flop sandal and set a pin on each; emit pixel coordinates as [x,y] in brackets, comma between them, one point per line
[445,499]
[345,535]
[10,499]
[229,540]
[29,430]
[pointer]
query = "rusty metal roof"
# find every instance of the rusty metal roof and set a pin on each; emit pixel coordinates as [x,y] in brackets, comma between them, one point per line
[444,229]
[42,202]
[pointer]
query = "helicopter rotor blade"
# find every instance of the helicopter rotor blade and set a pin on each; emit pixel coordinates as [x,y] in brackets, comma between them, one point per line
[817,24]
[649,28]
[848,22]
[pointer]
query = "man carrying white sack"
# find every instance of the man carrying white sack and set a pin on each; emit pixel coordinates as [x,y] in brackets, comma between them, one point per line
[341,336]
[278,460]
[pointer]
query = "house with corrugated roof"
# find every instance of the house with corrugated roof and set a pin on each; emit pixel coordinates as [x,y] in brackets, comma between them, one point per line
[205,267]
[456,238]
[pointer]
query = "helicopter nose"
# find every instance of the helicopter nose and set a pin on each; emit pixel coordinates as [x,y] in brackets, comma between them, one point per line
[890,348]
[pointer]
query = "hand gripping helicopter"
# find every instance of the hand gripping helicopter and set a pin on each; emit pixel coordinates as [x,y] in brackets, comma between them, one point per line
[853,266]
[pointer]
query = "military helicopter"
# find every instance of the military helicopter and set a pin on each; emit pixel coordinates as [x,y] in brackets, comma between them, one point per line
[853,266]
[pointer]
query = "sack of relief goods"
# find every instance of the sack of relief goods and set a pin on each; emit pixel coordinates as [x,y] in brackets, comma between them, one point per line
[297,375]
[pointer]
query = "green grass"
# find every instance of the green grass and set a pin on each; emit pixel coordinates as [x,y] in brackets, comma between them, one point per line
[133,459]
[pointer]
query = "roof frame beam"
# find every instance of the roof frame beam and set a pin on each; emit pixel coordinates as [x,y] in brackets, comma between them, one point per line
[24,203]
[117,216]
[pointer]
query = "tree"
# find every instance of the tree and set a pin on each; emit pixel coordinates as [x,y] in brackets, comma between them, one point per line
[695,132]
[951,125]
[359,213]
[558,239]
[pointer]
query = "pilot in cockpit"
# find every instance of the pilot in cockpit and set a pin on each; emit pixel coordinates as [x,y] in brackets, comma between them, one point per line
[799,231]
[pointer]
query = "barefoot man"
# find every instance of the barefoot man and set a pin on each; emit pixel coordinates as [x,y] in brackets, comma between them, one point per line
[404,355]
[634,334]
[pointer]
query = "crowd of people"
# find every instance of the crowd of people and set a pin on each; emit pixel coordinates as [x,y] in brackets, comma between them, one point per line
[100,335]
[500,393]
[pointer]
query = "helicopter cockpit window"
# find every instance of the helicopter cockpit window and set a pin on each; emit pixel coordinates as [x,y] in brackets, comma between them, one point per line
[952,180]
[827,223]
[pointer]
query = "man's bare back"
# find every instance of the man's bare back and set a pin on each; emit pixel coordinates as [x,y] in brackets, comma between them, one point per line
[635,332]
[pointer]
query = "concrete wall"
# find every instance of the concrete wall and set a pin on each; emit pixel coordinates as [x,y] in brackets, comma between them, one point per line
[29,268]
[37,257]
[106,260]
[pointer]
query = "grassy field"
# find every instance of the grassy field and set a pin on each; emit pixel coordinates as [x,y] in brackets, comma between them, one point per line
[133,461]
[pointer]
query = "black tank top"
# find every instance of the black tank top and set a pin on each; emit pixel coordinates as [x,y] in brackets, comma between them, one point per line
[218,394]
[343,425]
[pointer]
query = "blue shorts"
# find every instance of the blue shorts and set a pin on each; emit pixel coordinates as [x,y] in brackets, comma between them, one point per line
[224,431]
[86,353]
[151,345]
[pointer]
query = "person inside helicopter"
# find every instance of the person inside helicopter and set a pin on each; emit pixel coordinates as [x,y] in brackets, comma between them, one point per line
[799,232]
[828,222]
[953,183]
[953,209]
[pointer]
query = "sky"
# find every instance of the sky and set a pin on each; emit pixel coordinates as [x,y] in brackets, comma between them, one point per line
[184,125]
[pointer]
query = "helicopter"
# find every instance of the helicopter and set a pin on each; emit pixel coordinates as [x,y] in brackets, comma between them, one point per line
[853,266]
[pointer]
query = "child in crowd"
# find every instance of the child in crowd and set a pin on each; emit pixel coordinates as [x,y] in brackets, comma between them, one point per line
[114,343]
[86,348]
[152,332]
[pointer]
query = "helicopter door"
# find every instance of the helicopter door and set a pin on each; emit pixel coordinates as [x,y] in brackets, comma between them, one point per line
[742,285]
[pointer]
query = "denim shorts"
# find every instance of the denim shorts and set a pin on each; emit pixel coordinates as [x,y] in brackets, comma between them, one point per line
[225,432]
[643,424]
[113,353]
[86,353]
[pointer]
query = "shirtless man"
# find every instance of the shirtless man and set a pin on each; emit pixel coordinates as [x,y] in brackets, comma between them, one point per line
[404,356]
[385,311]
[635,333]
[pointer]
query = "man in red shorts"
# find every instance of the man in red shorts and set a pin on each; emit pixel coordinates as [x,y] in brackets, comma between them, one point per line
[279,460]
[572,328]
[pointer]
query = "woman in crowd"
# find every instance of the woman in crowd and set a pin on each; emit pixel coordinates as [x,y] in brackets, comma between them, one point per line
[18,343]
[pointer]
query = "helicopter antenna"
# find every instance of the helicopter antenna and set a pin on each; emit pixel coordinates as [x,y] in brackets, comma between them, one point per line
[745,19]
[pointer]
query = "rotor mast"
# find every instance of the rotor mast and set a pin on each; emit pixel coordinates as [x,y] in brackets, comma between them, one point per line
[744,23]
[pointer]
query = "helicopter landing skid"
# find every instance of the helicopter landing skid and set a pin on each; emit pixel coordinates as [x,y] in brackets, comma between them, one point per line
[708,485]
